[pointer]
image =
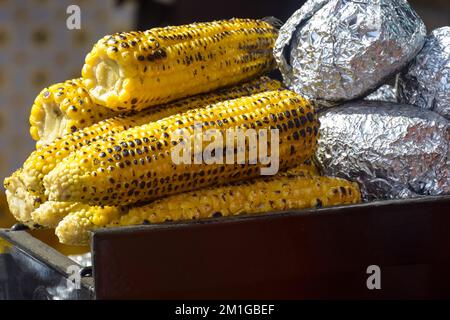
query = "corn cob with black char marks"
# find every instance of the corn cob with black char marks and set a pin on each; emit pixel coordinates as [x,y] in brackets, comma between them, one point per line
[50,213]
[43,160]
[136,165]
[64,108]
[284,192]
[134,70]
[25,189]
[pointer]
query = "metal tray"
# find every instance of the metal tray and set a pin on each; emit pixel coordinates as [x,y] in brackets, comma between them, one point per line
[30,269]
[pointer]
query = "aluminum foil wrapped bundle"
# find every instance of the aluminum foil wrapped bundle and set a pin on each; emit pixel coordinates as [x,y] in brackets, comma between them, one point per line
[426,82]
[338,50]
[393,151]
[386,93]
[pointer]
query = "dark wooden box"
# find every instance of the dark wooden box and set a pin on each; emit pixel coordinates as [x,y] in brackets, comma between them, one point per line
[320,253]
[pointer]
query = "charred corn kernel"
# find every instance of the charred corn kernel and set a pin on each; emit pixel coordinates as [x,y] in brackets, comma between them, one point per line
[63,108]
[137,164]
[21,202]
[75,227]
[306,169]
[43,160]
[248,197]
[133,70]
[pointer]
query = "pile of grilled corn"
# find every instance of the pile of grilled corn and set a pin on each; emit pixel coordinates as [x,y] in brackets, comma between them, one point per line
[104,141]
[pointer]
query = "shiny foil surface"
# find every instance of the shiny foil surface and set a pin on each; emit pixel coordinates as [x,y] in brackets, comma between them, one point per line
[339,50]
[426,82]
[393,151]
[386,93]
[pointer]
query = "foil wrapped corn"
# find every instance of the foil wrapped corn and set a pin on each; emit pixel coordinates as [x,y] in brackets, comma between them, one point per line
[426,82]
[137,164]
[249,197]
[393,151]
[133,70]
[333,50]
[64,108]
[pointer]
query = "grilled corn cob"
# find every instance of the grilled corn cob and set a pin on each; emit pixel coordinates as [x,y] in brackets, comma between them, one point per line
[255,196]
[21,202]
[136,165]
[75,227]
[43,160]
[133,70]
[63,108]
[50,213]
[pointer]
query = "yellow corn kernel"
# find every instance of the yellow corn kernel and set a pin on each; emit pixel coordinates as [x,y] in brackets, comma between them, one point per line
[75,227]
[50,213]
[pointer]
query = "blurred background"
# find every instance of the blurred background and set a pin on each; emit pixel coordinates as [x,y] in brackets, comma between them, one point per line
[37,50]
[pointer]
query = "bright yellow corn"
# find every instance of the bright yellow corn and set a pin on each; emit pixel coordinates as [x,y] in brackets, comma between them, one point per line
[50,213]
[24,188]
[133,70]
[284,192]
[136,164]
[43,160]
[64,108]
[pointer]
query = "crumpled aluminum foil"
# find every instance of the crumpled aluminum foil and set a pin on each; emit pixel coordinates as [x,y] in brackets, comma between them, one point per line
[338,50]
[393,151]
[386,93]
[426,82]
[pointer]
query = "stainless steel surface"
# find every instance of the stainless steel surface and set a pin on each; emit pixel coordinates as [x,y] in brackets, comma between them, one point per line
[391,150]
[333,50]
[29,269]
[426,82]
